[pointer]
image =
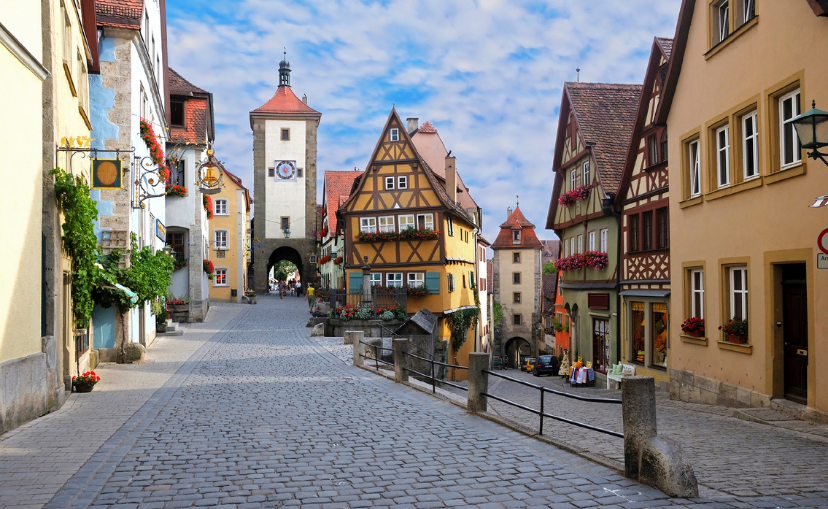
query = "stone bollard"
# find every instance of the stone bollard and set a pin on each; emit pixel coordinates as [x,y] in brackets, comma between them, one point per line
[359,348]
[478,382]
[350,335]
[639,415]
[400,360]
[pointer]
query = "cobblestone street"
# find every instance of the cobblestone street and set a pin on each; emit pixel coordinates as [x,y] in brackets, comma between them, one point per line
[250,411]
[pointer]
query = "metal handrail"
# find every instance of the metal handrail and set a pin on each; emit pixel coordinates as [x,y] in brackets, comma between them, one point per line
[541,414]
[431,377]
[377,360]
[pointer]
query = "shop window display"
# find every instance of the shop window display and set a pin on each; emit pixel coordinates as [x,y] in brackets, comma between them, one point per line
[639,332]
[658,354]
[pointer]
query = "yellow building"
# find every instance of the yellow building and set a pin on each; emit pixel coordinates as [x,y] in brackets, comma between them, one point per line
[229,250]
[744,240]
[414,231]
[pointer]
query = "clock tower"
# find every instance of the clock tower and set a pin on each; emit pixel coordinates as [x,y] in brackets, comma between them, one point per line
[284,179]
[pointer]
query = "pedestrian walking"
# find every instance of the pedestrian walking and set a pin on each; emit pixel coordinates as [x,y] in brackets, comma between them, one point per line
[298,287]
[311,300]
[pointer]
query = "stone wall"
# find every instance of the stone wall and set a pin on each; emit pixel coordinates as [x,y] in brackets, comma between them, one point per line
[685,386]
[23,393]
[371,328]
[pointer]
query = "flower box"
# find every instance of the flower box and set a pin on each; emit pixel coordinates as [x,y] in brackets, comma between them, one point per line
[693,327]
[574,196]
[733,338]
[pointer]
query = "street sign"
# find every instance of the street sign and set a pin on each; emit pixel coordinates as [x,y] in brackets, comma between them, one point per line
[822,241]
[822,261]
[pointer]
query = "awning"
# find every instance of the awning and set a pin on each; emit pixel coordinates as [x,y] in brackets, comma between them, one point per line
[133,297]
[645,293]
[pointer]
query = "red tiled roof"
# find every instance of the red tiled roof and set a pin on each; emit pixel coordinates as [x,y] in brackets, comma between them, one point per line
[427,128]
[178,85]
[338,186]
[238,181]
[666,44]
[517,216]
[528,238]
[550,250]
[119,13]
[197,111]
[606,117]
[285,101]
[433,151]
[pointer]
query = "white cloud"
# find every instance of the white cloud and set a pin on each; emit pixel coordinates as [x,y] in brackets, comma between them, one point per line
[488,74]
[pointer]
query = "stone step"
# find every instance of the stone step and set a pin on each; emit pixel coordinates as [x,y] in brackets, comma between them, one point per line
[762,415]
[178,332]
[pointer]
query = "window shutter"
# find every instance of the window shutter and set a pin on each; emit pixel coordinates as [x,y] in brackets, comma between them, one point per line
[355,282]
[432,282]
[471,279]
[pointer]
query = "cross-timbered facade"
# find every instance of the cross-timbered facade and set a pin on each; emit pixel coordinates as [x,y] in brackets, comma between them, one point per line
[413,231]
[594,129]
[645,231]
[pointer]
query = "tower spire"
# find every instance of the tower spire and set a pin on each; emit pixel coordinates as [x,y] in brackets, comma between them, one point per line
[284,71]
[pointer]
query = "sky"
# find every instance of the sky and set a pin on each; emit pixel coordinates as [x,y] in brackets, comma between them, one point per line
[487,73]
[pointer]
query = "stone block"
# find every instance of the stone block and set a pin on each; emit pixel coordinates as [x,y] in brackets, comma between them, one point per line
[707,384]
[107,355]
[675,389]
[23,393]
[478,382]
[708,398]
[689,394]
[134,352]
[686,378]
[663,465]
[727,394]
[759,400]
[318,330]
[639,417]
[742,396]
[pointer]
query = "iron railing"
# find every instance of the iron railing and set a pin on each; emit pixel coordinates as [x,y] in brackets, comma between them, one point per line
[377,359]
[431,377]
[541,413]
[379,298]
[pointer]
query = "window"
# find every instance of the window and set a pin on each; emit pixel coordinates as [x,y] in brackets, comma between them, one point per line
[605,240]
[647,230]
[471,279]
[177,243]
[394,135]
[144,111]
[516,297]
[591,241]
[516,278]
[464,280]
[658,336]
[515,319]
[580,243]
[394,279]
[748,10]
[723,155]
[750,146]
[220,277]
[271,172]
[571,246]
[652,146]
[177,112]
[724,20]
[515,257]
[483,285]
[298,172]
[402,182]
[386,224]
[220,237]
[450,226]
[221,207]
[790,150]
[697,293]
[450,278]
[285,222]
[662,228]
[600,345]
[416,279]
[368,224]
[425,222]
[586,173]
[515,236]
[738,293]
[67,39]
[695,168]
[375,279]
[639,332]
[285,134]
[573,179]
[389,182]
[664,145]
[406,222]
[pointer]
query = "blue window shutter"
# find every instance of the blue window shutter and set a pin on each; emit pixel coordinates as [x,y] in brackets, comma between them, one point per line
[432,281]
[355,282]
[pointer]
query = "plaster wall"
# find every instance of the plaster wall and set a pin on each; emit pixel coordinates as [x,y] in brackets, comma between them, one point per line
[285,198]
[234,256]
[529,268]
[22,19]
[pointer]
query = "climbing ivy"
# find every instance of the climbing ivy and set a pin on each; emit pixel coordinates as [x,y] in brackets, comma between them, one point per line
[459,323]
[79,240]
[149,275]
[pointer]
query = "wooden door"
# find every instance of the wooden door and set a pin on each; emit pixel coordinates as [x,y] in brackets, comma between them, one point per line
[600,345]
[795,333]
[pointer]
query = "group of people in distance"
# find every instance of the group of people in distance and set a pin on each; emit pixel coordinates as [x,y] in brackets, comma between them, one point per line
[316,305]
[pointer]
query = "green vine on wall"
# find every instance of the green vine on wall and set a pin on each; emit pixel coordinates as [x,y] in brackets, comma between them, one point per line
[459,323]
[79,240]
[149,275]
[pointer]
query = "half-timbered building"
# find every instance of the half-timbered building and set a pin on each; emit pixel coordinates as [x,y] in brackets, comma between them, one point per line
[643,202]
[594,127]
[414,231]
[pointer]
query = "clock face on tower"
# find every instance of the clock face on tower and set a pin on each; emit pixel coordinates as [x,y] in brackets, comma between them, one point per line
[286,170]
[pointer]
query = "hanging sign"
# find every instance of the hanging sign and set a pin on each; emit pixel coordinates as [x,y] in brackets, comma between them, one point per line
[106,174]
[285,171]
[160,230]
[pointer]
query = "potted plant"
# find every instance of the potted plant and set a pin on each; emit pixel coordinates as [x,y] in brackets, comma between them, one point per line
[736,330]
[417,292]
[160,317]
[85,382]
[251,296]
[693,327]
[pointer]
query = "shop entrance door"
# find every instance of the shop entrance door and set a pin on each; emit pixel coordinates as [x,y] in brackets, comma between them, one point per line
[795,333]
[600,345]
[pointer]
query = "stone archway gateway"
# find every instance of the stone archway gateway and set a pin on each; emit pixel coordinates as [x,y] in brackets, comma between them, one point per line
[286,253]
[515,350]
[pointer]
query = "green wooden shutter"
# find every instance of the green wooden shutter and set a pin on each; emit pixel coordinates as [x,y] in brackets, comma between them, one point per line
[472,281]
[432,281]
[355,282]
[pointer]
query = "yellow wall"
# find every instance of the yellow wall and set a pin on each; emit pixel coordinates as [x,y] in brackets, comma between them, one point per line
[758,223]
[20,209]
[232,254]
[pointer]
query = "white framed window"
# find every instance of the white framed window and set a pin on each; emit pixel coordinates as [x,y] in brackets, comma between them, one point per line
[389,182]
[695,168]
[580,244]
[591,241]
[515,236]
[723,155]
[395,134]
[573,179]
[394,279]
[738,293]
[450,278]
[450,226]
[586,173]
[386,224]
[749,10]
[724,20]
[425,221]
[220,238]
[790,150]
[220,277]
[416,279]
[571,246]
[406,221]
[402,182]
[221,207]
[697,293]
[750,146]
[604,240]
[368,224]
[375,279]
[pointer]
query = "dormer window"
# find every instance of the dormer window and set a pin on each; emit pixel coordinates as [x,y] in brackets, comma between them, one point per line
[515,236]
[177,112]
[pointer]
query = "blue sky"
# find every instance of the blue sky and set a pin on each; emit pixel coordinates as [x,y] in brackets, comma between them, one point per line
[487,73]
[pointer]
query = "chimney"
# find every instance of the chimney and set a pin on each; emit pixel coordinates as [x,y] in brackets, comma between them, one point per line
[305,98]
[413,124]
[451,178]
[508,213]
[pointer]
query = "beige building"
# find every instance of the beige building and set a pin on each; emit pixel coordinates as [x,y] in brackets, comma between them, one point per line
[744,240]
[229,250]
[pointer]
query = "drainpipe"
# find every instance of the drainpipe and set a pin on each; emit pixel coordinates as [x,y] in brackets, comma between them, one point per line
[608,209]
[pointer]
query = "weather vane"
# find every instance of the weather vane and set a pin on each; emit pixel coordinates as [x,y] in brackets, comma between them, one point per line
[517,196]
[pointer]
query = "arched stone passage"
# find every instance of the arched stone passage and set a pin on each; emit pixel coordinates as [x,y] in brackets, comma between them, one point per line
[289,254]
[516,349]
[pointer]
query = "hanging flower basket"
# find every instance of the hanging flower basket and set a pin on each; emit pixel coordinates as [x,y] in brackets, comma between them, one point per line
[324,259]
[208,206]
[176,190]
[338,260]
[208,267]
[571,197]
[156,152]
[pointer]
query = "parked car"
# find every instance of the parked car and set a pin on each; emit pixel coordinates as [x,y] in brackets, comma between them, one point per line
[530,365]
[523,363]
[546,365]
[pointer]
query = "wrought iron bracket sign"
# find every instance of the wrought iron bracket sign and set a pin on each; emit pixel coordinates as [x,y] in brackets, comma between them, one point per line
[147,178]
[104,173]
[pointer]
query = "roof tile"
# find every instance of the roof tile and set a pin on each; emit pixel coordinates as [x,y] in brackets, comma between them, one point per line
[338,185]
[517,220]
[284,101]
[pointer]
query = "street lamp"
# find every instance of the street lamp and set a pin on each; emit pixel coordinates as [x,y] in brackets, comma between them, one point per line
[167,250]
[287,233]
[812,130]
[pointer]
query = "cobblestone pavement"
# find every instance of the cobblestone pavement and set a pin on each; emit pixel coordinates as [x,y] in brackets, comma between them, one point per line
[729,456]
[262,416]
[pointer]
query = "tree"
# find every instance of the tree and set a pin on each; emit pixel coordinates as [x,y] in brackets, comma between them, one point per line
[283,270]
[549,268]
